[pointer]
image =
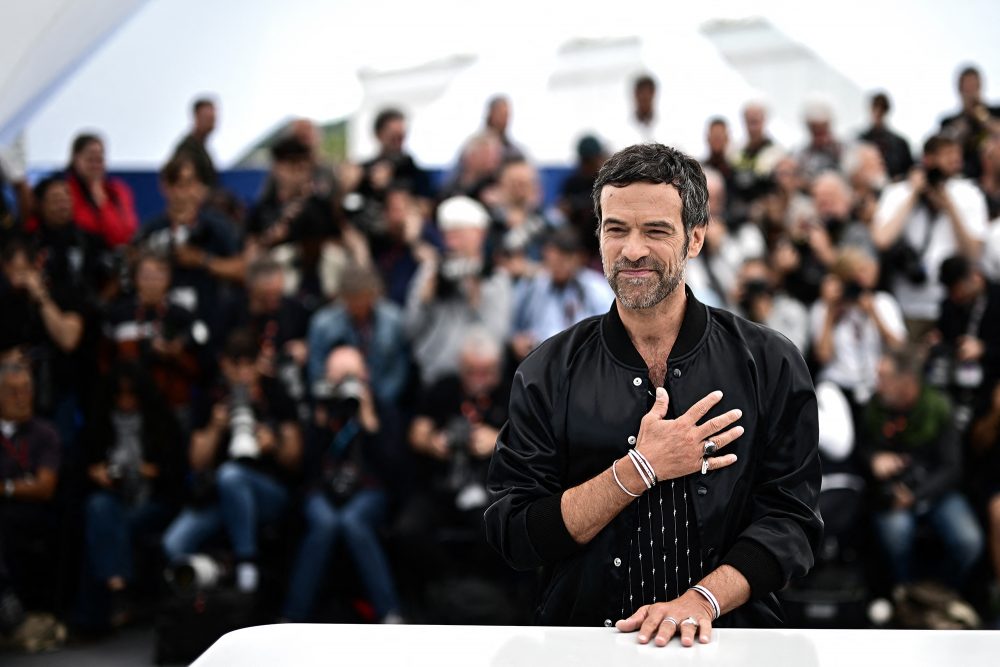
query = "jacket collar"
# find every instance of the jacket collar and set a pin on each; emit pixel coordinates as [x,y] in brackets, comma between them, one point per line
[620,344]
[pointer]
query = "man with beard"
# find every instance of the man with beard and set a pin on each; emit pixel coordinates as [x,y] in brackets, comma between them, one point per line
[610,472]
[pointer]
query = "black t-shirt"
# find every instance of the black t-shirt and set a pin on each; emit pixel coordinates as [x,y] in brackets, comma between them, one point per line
[315,219]
[405,172]
[21,324]
[33,445]
[193,287]
[289,322]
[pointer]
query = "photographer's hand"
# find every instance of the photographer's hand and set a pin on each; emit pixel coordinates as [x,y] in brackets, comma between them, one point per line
[970,348]
[484,439]
[266,439]
[98,473]
[903,498]
[886,465]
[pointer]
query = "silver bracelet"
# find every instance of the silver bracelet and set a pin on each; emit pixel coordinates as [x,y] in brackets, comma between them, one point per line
[645,463]
[619,482]
[707,594]
[639,469]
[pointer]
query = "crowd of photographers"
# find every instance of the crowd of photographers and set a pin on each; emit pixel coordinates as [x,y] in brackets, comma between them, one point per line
[317,378]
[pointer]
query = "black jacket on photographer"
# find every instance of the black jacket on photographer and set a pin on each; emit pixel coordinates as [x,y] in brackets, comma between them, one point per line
[576,405]
[925,434]
[455,413]
[272,408]
[983,318]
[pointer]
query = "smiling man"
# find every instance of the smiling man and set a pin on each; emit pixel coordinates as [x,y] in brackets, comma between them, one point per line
[660,461]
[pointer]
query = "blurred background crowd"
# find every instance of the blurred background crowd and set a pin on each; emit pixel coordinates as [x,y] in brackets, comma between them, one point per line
[283,409]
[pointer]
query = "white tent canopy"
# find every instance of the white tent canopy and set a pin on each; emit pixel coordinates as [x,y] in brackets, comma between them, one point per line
[566,65]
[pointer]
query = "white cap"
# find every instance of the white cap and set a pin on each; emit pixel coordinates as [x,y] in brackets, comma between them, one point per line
[461,212]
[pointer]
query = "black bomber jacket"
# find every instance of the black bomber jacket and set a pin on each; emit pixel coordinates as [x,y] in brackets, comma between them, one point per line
[575,402]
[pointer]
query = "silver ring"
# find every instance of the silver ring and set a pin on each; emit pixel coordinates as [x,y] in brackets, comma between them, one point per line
[704,466]
[671,619]
[710,448]
[690,620]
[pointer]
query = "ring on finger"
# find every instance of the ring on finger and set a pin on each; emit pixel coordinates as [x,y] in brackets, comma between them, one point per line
[704,466]
[709,448]
[669,619]
[690,620]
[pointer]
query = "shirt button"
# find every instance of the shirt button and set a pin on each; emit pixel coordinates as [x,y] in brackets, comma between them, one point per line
[618,562]
[631,440]
[607,622]
[677,372]
[702,490]
[637,381]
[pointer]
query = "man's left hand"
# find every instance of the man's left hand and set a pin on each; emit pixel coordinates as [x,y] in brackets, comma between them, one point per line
[651,621]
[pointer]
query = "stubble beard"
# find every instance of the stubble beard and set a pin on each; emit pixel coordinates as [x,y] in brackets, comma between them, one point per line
[646,292]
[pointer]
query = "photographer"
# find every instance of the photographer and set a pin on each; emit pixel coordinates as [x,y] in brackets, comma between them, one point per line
[346,497]
[924,220]
[147,328]
[453,434]
[452,294]
[761,300]
[913,452]
[134,461]
[244,457]
[201,246]
[278,323]
[852,324]
[965,357]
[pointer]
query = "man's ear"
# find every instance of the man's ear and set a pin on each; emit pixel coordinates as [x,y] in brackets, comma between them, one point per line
[697,240]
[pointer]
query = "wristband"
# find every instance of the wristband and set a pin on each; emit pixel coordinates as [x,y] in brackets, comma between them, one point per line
[619,482]
[707,594]
[640,469]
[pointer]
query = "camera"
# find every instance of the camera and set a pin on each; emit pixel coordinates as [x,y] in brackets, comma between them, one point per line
[243,441]
[194,573]
[935,177]
[852,290]
[342,399]
[906,261]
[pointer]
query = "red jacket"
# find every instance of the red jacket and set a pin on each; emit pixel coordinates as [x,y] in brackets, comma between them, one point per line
[116,221]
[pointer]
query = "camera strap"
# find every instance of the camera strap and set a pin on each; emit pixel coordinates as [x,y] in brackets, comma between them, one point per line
[976,316]
[343,438]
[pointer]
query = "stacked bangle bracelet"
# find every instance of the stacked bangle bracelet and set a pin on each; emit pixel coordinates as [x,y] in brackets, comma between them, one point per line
[707,594]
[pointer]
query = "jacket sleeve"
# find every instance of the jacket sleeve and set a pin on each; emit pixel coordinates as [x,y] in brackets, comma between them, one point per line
[785,528]
[946,472]
[524,521]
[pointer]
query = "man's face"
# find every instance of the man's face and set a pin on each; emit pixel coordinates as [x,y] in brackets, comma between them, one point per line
[57,207]
[644,96]
[947,158]
[242,371]
[718,138]
[832,199]
[17,393]
[643,243]
[397,207]
[970,88]
[266,292]
[897,390]
[499,116]
[188,192]
[753,118]
[480,373]
[17,270]
[204,119]
[561,265]
[292,175]
[966,290]
[519,185]
[152,281]
[359,305]
[465,241]
[820,132]
[392,136]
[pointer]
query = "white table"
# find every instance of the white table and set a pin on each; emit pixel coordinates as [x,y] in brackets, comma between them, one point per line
[472,646]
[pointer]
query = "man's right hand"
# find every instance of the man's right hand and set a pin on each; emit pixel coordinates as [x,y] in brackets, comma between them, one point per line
[886,465]
[674,447]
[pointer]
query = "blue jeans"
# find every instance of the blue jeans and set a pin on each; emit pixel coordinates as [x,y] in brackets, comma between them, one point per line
[952,520]
[355,522]
[246,498]
[111,527]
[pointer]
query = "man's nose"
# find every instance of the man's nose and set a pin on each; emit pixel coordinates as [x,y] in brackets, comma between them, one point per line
[635,247]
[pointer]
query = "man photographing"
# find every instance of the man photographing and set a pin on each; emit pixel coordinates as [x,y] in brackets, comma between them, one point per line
[622,470]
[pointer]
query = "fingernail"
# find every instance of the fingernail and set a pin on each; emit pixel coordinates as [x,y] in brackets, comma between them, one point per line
[718,393]
[738,413]
[704,640]
[739,430]
[735,458]
[642,638]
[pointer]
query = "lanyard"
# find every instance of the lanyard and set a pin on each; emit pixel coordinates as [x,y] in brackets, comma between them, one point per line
[17,453]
